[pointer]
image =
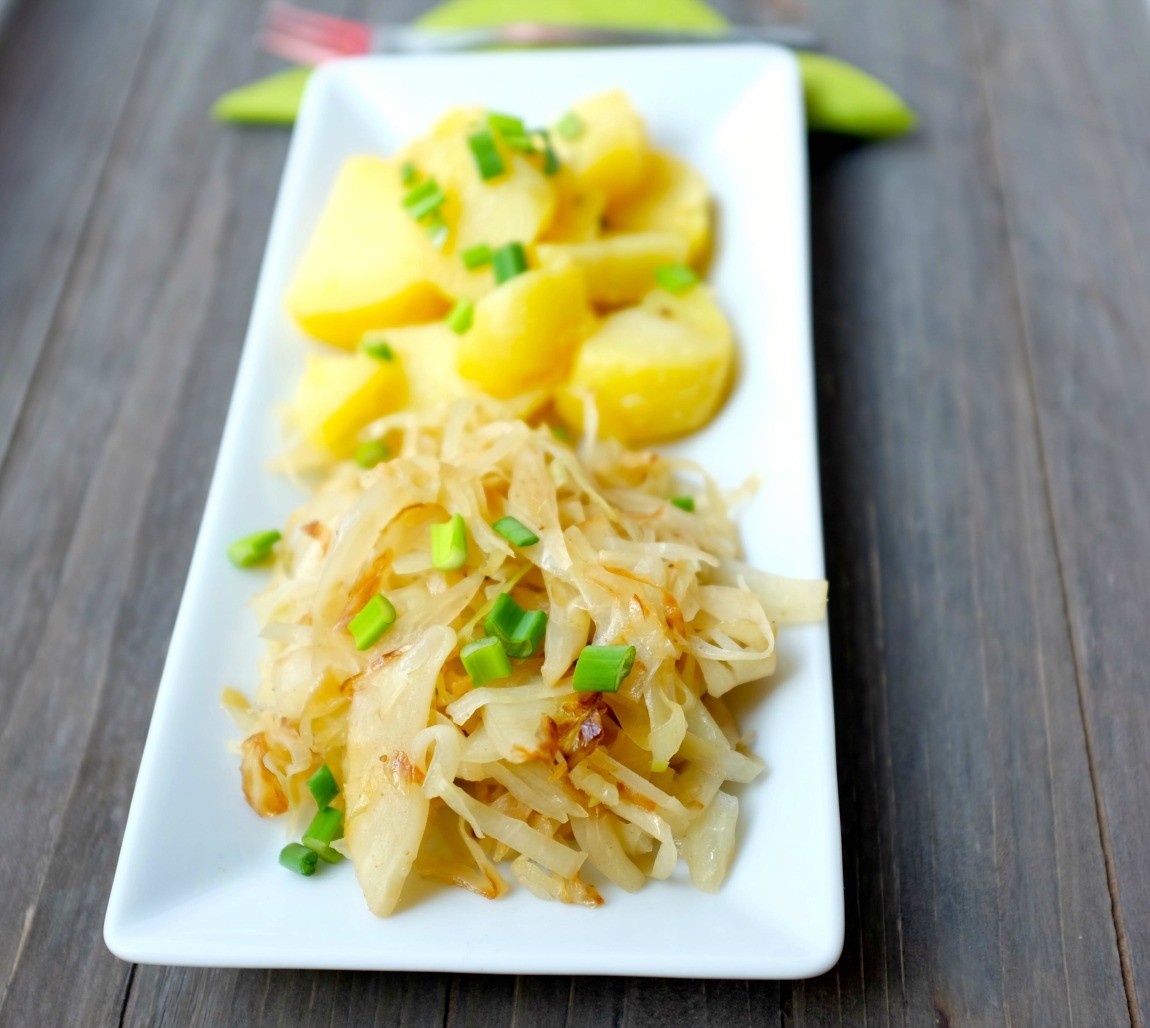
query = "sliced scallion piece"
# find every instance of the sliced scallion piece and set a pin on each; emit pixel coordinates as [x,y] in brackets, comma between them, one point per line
[550,157]
[515,532]
[459,320]
[686,503]
[505,123]
[424,199]
[521,631]
[570,126]
[373,619]
[449,544]
[322,787]
[508,261]
[298,858]
[253,549]
[602,668]
[380,349]
[486,154]
[325,828]
[409,174]
[476,256]
[371,453]
[485,660]
[676,278]
[437,231]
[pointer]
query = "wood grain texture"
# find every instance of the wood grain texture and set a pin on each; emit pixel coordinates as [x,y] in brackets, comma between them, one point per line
[982,327]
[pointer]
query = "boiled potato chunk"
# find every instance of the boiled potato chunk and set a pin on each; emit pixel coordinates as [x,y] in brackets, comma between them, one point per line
[579,210]
[339,394]
[619,269]
[428,355]
[610,153]
[526,331]
[367,264]
[656,370]
[672,197]
[514,207]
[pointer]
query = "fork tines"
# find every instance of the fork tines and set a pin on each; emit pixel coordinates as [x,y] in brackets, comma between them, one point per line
[308,37]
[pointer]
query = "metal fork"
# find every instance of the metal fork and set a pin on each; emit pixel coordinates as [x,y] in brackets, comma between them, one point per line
[309,37]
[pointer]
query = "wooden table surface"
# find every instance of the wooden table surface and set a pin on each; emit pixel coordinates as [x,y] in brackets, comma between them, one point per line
[982,311]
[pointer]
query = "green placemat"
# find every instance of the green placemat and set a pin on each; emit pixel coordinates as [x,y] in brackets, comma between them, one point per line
[839,97]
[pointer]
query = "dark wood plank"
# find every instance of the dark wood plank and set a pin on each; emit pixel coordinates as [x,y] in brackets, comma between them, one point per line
[1075,155]
[66,68]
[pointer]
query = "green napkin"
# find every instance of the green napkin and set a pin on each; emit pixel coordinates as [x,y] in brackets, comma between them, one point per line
[840,97]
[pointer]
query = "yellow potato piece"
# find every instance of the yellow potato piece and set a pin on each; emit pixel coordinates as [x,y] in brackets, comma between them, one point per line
[341,393]
[610,153]
[579,210]
[526,332]
[620,269]
[367,264]
[428,355]
[514,207]
[656,370]
[672,197]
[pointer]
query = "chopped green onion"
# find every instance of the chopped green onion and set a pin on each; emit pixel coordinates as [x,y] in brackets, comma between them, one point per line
[459,320]
[570,126]
[602,668]
[550,157]
[449,544]
[371,453]
[676,278]
[409,174]
[508,261]
[486,154]
[374,618]
[325,828]
[437,231]
[561,433]
[515,532]
[299,859]
[426,198]
[476,256]
[485,660]
[521,631]
[253,549]
[505,123]
[380,349]
[322,786]
[686,503]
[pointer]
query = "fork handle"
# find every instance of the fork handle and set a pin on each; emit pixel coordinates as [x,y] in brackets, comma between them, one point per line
[407,39]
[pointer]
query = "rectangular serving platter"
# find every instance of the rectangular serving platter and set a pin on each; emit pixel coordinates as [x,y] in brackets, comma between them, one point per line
[198,882]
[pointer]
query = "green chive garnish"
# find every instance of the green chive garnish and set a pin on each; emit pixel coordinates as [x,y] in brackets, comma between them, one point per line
[602,668]
[485,660]
[409,174]
[676,278]
[560,432]
[476,256]
[377,348]
[374,618]
[322,786]
[505,123]
[299,859]
[426,198]
[253,549]
[521,631]
[570,126]
[508,261]
[449,544]
[515,532]
[459,320]
[550,157]
[486,154]
[437,231]
[325,828]
[686,503]
[371,453]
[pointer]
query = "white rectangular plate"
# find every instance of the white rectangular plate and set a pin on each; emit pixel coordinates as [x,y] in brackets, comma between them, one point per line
[198,882]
